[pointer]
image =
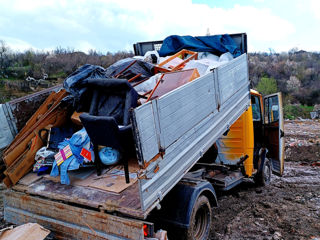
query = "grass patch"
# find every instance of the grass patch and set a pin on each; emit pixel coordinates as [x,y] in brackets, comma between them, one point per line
[295,111]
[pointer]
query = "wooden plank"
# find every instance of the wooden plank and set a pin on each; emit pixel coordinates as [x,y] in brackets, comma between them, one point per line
[49,105]
[67,221]
[55,117]
[41,110]
[127,202]
[28,231]
[29,178]
[22,109]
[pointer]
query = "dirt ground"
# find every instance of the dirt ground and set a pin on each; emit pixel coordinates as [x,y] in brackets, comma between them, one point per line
[289,208]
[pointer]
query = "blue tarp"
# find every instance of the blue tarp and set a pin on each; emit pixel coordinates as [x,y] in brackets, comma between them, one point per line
[217,45]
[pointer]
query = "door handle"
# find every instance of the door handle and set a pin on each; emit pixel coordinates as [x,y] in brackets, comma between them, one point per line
[281,133]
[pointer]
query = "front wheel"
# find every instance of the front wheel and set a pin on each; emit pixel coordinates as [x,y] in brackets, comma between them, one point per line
[200,221]
[263,178]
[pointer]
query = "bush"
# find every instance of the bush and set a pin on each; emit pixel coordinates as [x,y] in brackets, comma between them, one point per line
[267,86]
[295,111]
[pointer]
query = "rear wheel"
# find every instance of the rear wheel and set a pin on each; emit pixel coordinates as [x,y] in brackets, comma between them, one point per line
[263,178]
[201,220]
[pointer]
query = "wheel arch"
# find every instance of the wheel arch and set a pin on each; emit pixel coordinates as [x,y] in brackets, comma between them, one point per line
[177,206]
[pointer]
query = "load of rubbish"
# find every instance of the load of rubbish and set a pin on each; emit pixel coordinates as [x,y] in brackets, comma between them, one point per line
[86,125]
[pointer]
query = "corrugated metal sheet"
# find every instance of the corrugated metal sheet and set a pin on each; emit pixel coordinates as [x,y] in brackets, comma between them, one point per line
[185,123]
[7,133]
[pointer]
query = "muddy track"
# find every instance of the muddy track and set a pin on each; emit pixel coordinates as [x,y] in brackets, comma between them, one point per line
[289,208]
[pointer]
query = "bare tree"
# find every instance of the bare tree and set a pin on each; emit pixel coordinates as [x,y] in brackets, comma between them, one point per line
[4,49]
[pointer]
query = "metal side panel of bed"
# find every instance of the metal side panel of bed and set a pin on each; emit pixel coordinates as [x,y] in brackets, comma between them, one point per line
[174,131]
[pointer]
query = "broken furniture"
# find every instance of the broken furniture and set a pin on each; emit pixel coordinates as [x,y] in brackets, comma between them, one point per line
[133,70]
[176,61]
[19,156]
[172,80]
[108,121]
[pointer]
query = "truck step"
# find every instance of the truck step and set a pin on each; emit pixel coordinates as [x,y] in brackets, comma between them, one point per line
[225,181]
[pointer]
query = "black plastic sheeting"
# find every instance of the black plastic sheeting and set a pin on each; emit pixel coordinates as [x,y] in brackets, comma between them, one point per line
[217,44]
[75,84]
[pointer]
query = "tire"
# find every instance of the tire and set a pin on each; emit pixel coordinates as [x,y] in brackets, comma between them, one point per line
[263,178]
[200,220]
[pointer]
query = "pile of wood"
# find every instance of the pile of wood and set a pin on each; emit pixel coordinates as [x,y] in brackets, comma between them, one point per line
[19,155]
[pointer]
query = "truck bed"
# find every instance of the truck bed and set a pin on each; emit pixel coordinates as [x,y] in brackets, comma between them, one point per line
[121,199]
[127,202]
[73,212]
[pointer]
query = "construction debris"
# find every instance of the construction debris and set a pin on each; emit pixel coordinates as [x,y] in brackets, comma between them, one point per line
[97,94]
[28,231]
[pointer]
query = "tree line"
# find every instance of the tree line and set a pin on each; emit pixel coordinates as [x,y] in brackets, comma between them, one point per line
[295,73]
[57,63]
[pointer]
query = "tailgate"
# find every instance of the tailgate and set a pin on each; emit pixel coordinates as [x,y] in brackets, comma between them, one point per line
[69,221]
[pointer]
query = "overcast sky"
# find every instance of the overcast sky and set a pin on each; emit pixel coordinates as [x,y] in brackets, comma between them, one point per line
[113,25]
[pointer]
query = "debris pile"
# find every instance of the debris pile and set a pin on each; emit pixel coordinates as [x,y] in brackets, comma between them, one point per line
[302,140]
[86,124]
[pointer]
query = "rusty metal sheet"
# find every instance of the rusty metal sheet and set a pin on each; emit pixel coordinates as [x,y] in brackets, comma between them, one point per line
[23,108]
[15,114]
[69,222]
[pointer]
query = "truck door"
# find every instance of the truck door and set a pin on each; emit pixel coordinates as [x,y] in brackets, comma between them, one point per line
[274,131]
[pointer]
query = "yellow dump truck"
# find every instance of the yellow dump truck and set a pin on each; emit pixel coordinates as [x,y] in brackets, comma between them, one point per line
[207,135]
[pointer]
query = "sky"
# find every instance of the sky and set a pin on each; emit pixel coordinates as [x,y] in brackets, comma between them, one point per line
[115,25]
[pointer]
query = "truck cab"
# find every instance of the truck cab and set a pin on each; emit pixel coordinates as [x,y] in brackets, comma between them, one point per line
[253,146]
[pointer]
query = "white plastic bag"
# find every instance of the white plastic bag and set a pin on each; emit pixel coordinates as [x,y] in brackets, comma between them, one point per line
[148,84]
[148,58]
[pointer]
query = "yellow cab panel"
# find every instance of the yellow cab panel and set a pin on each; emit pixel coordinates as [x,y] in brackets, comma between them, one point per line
[237,143]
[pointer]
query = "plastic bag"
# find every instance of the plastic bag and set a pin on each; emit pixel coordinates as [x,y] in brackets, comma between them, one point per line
[200,66]
[148,84]
[152,57]
[226,57]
